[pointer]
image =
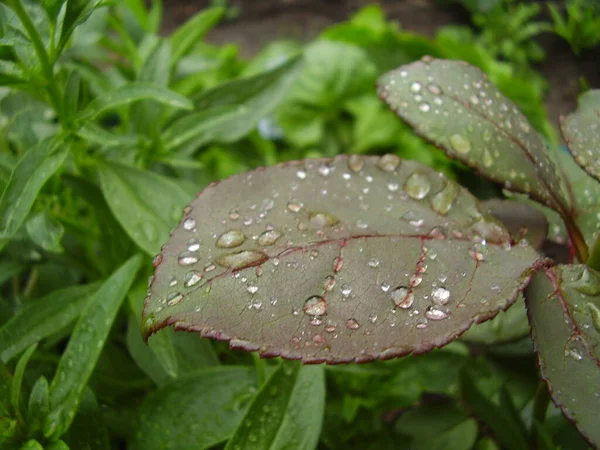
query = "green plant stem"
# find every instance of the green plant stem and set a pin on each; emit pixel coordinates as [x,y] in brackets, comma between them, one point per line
[40,50]
[594,259]
[541,400]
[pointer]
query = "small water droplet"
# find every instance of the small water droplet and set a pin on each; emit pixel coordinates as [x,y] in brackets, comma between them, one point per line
[294,207]
[385,287]
[268,237]
[174,298]
[460,143]
[231,239]
[187,258]
[173,282]
[373,263]
[324,170]
[329,283]
[315,306]
[234,214]
[417,186]
[440,295]
[209,267]
[157,260]
[301,174]
[478,252]
[415,87]
[243,258]
[346,290]
[393,187]
[338,262]
[434,89]
[330,328]
[352,324]
[402,297]
[436,313]
[192,278]
[372,317]
[189,224]
[443,200]
[415,280]
[488,160]
[424,107]
[322,219]
[252,289]
[388,162]
[356,163]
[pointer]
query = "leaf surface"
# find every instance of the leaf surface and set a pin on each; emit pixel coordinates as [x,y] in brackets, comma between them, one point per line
[335,260]
[563,305]
[581,130]
[194,412]
[454,105]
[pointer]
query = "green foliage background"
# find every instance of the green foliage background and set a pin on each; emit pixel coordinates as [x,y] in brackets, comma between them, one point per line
[108,131]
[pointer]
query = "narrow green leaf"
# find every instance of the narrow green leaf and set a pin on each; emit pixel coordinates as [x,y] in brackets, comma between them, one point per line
[283,415]
[9,269]
[88,430]
[455,106]
[195,412]
[130,93]
[26,180]
[41,318]
[105,138]
[508,431]
[563,304]
[146,204]
[79,358]
[15,391]
[581,130]
[76,12]
[45,232]
[192,31]
[71,99]
[38,406]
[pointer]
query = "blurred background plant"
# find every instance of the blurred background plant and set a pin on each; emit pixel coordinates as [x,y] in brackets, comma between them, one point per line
[109,128]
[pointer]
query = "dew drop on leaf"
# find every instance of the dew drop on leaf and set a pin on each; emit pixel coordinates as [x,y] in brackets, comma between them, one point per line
[174,298]
[268,237]
[315,306]
[434,89]
[415,87]
[189,224]
[440,295]
[329,283]
[192,278]
[442,201]
[187,258]
[460,143]
[231,239]
[294,207]
[243,258]
[193,245]
[352,324]
[402,297]
[346,290]
[595,312]
[252,289]
[338,262]
[388,162]
[417,186]
[323,219]
[356,163]
[436,313]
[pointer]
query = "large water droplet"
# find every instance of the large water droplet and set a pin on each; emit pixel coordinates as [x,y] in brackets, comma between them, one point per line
[440,295]
[417,186]
[231,239]
[315,306]
[189,224]
[193,245]
[352,324]
[187,258]
[268,237]
[595,312]
[388,162]
[241,259]
[191,278]
[443,200]
[356,163]
[436,313]
[173,298]
[460,143]
[402,297]
[322,219]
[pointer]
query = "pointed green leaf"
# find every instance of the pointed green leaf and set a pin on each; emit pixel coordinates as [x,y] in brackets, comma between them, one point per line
[581,130]
[43,317]
[76,12]
[192,31]
[26,180]
[195,412]
[38,405]
[563,304]
[335,260]
[15,391]
[146,204]
[98,135]
[85,344]
[286,413]
[46,232]
[133,92]
[454,105]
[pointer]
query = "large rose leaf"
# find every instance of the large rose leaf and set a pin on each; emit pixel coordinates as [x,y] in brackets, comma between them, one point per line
[339,260]
[453,104]
[581,130]
[564,310]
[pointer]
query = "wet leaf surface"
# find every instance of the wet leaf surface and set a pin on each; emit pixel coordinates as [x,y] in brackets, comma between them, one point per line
[564,310]
[350,259]
[521,220]
[455,106]
[581,130]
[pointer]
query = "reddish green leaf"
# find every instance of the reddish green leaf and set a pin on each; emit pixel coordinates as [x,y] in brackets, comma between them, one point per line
[454,105]
[342,260]
[581,130]
[522,221]
[564,310]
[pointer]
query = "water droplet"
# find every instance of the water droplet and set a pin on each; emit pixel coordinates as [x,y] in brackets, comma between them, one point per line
[393,187]
[385,287]
[460,143]
[402,297]
[241,259]
[436,313]
[415,87]
[294,207]
[524,126]
[234,215]
[157,260]
[268,237]
[252,289]
[315,306]
[372,317]
[189,224]
[173,281]
[322,219]
[192,278]
[595,312]
[415,280]
[356,163]
[440,295]
[352,324]
[434,89]
[329,283]
[231,239]
[424,107]
[174,298]
[388,162]
[209,267]
[187,258]
[301,174]
[373,263]
[338,262]
[488,160]
[421,323]
[346,290]
[417,186]
[443,200]
[478,252]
